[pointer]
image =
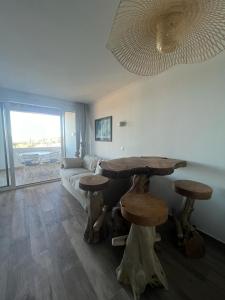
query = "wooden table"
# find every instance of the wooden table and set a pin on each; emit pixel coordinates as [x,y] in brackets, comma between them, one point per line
[141,168]
[136,272]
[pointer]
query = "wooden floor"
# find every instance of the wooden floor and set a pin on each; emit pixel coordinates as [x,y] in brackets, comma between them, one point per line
[32,174]
[43,255]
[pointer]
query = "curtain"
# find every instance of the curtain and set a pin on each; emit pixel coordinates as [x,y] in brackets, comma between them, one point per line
[81,129]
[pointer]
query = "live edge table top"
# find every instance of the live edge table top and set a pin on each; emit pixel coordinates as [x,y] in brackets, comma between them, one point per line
[129,166]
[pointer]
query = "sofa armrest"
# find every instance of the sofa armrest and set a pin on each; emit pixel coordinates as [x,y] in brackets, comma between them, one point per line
[68,163]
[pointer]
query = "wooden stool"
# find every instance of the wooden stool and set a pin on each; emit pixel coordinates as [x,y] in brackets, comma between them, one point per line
[140,265]
[188,237]
[95,184]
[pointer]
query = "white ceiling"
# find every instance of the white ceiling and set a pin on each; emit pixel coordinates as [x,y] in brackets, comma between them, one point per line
[57,48]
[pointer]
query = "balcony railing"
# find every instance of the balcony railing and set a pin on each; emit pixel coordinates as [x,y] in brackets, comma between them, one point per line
[35,156]
[36,164]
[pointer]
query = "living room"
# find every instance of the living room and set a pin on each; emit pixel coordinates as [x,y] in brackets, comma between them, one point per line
[112,162]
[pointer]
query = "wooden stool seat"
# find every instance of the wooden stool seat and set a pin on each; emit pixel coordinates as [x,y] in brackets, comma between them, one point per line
[93,183]
[193,189]
[143,209]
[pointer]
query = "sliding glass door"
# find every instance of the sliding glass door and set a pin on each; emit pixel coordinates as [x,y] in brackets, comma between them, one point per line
[4,163]
[32,142]
[36,142]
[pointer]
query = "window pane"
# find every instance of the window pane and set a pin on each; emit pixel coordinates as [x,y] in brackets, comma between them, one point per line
[36,146]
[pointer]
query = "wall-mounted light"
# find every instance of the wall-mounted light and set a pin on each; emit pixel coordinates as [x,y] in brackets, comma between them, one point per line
[122,124]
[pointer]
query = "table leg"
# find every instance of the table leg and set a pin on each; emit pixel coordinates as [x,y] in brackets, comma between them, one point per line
[140,265]
[96,212]
[140,184]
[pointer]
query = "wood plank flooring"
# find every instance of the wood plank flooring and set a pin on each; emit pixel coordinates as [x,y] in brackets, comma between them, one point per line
[32,174]
[43,255]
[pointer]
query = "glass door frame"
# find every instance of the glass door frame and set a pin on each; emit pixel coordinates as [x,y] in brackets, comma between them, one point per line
[5,150]
[7,108]
[9,162]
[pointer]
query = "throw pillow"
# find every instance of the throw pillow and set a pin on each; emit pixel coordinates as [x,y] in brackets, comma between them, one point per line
[69,163]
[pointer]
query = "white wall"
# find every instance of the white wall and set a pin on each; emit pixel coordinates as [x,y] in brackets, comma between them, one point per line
[178,114]
[18,97]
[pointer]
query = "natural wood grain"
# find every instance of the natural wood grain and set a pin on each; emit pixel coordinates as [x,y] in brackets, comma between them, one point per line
[143,209]
[51,273]
[129,166]
[6,213]
[18,222]
[3,278]
[97,261]
[95,229]
[137,208]
[193,189]
[188,237]
[140,265]
[96,210]
[93,183]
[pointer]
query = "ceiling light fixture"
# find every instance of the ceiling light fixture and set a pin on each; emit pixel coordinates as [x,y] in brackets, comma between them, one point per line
[150,36]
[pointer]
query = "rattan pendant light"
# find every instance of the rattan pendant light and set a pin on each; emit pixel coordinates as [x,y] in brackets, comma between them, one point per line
[150,36]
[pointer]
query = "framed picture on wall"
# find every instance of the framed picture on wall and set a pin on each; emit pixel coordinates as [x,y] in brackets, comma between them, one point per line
[103,129]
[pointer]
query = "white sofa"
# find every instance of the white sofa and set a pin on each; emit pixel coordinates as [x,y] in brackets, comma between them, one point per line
[72,170]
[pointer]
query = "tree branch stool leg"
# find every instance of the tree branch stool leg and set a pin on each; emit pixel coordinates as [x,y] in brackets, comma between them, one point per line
[190,239]
[184,227]
[95,209]
[186,215]
[140,265]
[188,236]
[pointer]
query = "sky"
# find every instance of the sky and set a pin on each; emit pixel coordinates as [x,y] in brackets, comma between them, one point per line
[26,126]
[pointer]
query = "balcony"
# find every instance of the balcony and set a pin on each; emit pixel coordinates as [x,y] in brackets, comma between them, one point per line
[36,164]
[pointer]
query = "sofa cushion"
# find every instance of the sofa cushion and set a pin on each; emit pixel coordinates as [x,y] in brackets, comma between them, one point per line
[67,173]
[90,162]
[75,179]
[75,162]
